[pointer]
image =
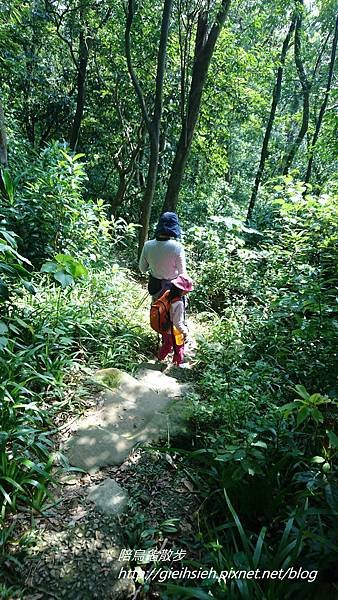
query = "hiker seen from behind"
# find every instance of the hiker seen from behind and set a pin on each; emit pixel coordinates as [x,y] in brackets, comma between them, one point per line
[163,256]
[168,317]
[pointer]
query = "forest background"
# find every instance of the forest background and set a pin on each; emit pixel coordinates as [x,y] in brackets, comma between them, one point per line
[226,112]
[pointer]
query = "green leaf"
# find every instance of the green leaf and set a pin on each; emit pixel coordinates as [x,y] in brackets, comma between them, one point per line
[288,408]
[3,328]
[317,415]
[302,415]
[6,495]
[71,265]
[29,287]
[6,268]
[64,278]
[302,392]
[316,399]
[14,483]
[259,444]
[286,534]
[9,236]
[259,545]
[49,267]
[3,342]
[4,435]
[332,438]
[5,247]
[17,268]
[8,184]
[245,541]
[10,250]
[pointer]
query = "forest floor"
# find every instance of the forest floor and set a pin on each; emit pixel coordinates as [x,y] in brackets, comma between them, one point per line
[76,548]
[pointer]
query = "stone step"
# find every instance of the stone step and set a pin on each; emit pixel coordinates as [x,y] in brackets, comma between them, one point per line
[132,412]
[152,376]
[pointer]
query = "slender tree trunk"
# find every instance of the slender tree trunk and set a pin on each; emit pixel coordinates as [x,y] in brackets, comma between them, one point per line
[81,89]
[3,139]
[148,194]
[80,60]
[117,200]
[152,123]
[275,99]
[3,146]
[126,159]
[306,86]
[139,176]
[324,104]
[126,176]
[29,117]
[204,49]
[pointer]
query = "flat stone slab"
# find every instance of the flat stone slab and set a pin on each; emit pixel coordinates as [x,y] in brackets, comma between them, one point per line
[131,413]
[109,497]
[152,377]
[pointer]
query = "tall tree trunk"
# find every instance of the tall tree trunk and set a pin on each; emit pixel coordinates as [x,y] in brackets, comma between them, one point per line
[80,59]
[29,116]
[204,49]
[126,176]
[324,103]
[3,146]
[3,139]
[118,198]
[153,122]
[81,88]
[275,99]
[148,193]
[306,86]
[126,164]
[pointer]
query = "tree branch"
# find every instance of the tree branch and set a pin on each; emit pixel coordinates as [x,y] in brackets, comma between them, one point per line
[323,107]
[58,18]
[204,48]
[306,87]
[320,57]
[161,60]
[217,26]
[135,81]
[275,99]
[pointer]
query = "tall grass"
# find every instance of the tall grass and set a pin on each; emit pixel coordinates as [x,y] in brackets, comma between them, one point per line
[100,322]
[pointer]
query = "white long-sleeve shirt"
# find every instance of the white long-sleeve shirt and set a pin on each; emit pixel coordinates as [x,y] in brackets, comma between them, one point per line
[177,316]
[165,259]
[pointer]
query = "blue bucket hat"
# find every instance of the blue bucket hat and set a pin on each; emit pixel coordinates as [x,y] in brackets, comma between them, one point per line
[168,224]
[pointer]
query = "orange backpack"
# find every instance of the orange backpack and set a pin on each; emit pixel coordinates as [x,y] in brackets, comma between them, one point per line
[160,313]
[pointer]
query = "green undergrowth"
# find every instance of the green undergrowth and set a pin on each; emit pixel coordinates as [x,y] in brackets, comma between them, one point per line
[66,309]
[266,471]
[264,459]
[264,464]
[48,340]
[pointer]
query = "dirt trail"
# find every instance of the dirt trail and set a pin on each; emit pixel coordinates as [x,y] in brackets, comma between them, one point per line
[75,550]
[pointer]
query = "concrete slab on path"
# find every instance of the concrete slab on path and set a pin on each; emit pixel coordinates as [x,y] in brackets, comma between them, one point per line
[131,413]
[151,375]
[109,497]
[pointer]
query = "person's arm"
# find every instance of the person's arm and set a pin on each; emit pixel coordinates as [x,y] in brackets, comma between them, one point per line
[177,317]
[181,263]
[143,263]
